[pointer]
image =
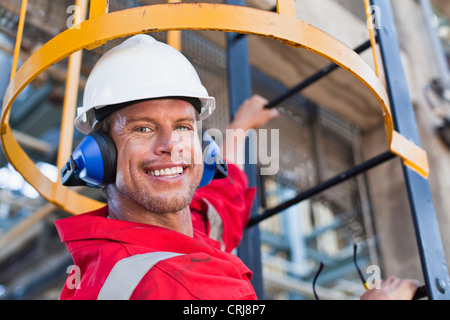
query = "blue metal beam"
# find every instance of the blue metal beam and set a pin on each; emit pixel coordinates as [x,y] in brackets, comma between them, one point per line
[240,88]
[425,222]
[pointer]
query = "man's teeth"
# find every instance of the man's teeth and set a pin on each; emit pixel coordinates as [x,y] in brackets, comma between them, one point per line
[174,171]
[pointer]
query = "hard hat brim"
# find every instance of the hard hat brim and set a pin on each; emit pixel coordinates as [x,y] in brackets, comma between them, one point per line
[86,121]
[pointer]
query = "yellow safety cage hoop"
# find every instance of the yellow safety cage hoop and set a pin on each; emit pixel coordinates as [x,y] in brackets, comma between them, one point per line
[103,26]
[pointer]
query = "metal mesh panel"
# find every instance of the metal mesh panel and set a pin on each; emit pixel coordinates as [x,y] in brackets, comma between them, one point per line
[210,62]
[296,150]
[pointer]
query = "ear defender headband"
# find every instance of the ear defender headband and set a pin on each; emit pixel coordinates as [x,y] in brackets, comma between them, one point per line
[93,163]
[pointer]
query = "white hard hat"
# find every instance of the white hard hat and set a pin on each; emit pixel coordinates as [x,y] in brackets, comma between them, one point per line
[140,68]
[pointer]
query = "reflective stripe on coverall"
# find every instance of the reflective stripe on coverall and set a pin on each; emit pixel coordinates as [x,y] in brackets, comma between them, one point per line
[128,272]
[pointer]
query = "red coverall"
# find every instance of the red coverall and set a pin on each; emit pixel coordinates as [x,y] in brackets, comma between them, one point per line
[205,269]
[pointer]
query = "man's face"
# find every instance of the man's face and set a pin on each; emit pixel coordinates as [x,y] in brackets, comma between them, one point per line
[157,144]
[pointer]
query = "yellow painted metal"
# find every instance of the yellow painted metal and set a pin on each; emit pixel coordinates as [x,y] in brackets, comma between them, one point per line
[21,227]
[23,11]
[21,24]
[371,27]
[286,7]
[174,39]
[98,8]
[174,36]
[68,200]
[70,96]
[187,16]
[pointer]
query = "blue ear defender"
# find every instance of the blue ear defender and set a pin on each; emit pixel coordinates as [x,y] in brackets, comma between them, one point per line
[214,167]
[93,163]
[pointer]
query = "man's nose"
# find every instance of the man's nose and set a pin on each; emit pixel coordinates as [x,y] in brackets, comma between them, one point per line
[167,142]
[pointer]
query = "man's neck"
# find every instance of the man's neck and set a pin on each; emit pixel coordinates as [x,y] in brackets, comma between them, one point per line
[128,210]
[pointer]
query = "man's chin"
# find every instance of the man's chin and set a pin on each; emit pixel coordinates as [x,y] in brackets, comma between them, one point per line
[165,206]
[159,198]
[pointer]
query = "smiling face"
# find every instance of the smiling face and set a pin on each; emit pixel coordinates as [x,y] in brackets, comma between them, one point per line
[157,143]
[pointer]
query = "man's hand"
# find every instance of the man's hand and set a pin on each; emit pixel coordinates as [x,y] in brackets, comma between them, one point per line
[393,289]
[252,115]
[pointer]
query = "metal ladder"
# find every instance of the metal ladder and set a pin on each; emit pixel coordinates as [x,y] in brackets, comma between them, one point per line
[437,285]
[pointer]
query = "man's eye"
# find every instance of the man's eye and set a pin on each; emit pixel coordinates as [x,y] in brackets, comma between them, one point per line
[183,128]
[143,129]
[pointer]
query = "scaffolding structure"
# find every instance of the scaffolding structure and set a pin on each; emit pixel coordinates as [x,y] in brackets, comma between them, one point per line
[398,113]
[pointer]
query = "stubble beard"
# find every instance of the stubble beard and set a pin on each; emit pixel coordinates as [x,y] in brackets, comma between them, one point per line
[161,204]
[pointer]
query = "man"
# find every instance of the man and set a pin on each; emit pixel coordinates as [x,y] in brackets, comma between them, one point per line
[160,236]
